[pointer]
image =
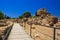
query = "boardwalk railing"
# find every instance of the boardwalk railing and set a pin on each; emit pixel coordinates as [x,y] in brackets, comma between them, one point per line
[7,32]
[53,31]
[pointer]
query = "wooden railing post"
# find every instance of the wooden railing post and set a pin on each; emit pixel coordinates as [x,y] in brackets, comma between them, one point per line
[24,25]
[54,34]
[31,29]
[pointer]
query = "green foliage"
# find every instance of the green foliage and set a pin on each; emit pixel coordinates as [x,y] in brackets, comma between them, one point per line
[7,17]
[1,15]
[26,14]
[20,17]
[36,14]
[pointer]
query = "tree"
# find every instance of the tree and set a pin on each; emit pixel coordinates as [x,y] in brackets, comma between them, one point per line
[1,15]
[7,17]
[26,14]
[36,14]
[20,17]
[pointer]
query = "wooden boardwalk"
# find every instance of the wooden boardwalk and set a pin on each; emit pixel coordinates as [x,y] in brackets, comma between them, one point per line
[18,33]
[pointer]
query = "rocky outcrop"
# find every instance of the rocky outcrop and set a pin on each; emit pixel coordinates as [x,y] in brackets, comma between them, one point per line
[50,21]
[43,18]
[42,13]
[57,24]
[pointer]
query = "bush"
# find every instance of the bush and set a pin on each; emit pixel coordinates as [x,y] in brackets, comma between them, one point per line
[26,14]
[1,15]
[20,17]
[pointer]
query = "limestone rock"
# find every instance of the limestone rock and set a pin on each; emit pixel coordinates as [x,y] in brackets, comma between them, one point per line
[51,20]
[44,18]
[42,13]
[57,24]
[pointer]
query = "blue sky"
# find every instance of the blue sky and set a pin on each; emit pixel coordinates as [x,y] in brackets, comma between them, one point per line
[14,8]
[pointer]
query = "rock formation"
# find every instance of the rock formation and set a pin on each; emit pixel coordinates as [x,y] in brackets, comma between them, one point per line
[42,13]
[57,24]
[43,18]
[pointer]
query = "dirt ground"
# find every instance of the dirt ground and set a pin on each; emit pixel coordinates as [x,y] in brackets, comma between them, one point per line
[4,28]
[44,33]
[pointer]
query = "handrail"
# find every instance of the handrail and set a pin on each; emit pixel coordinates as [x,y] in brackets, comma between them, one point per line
[54,32]
[7,34]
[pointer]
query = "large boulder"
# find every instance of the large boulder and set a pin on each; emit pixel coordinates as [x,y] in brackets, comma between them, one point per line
[57,24]
[53,19]
[44,18]
[49,21]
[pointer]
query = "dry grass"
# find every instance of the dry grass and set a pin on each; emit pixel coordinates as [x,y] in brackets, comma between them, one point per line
[3,28]
[45,33]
